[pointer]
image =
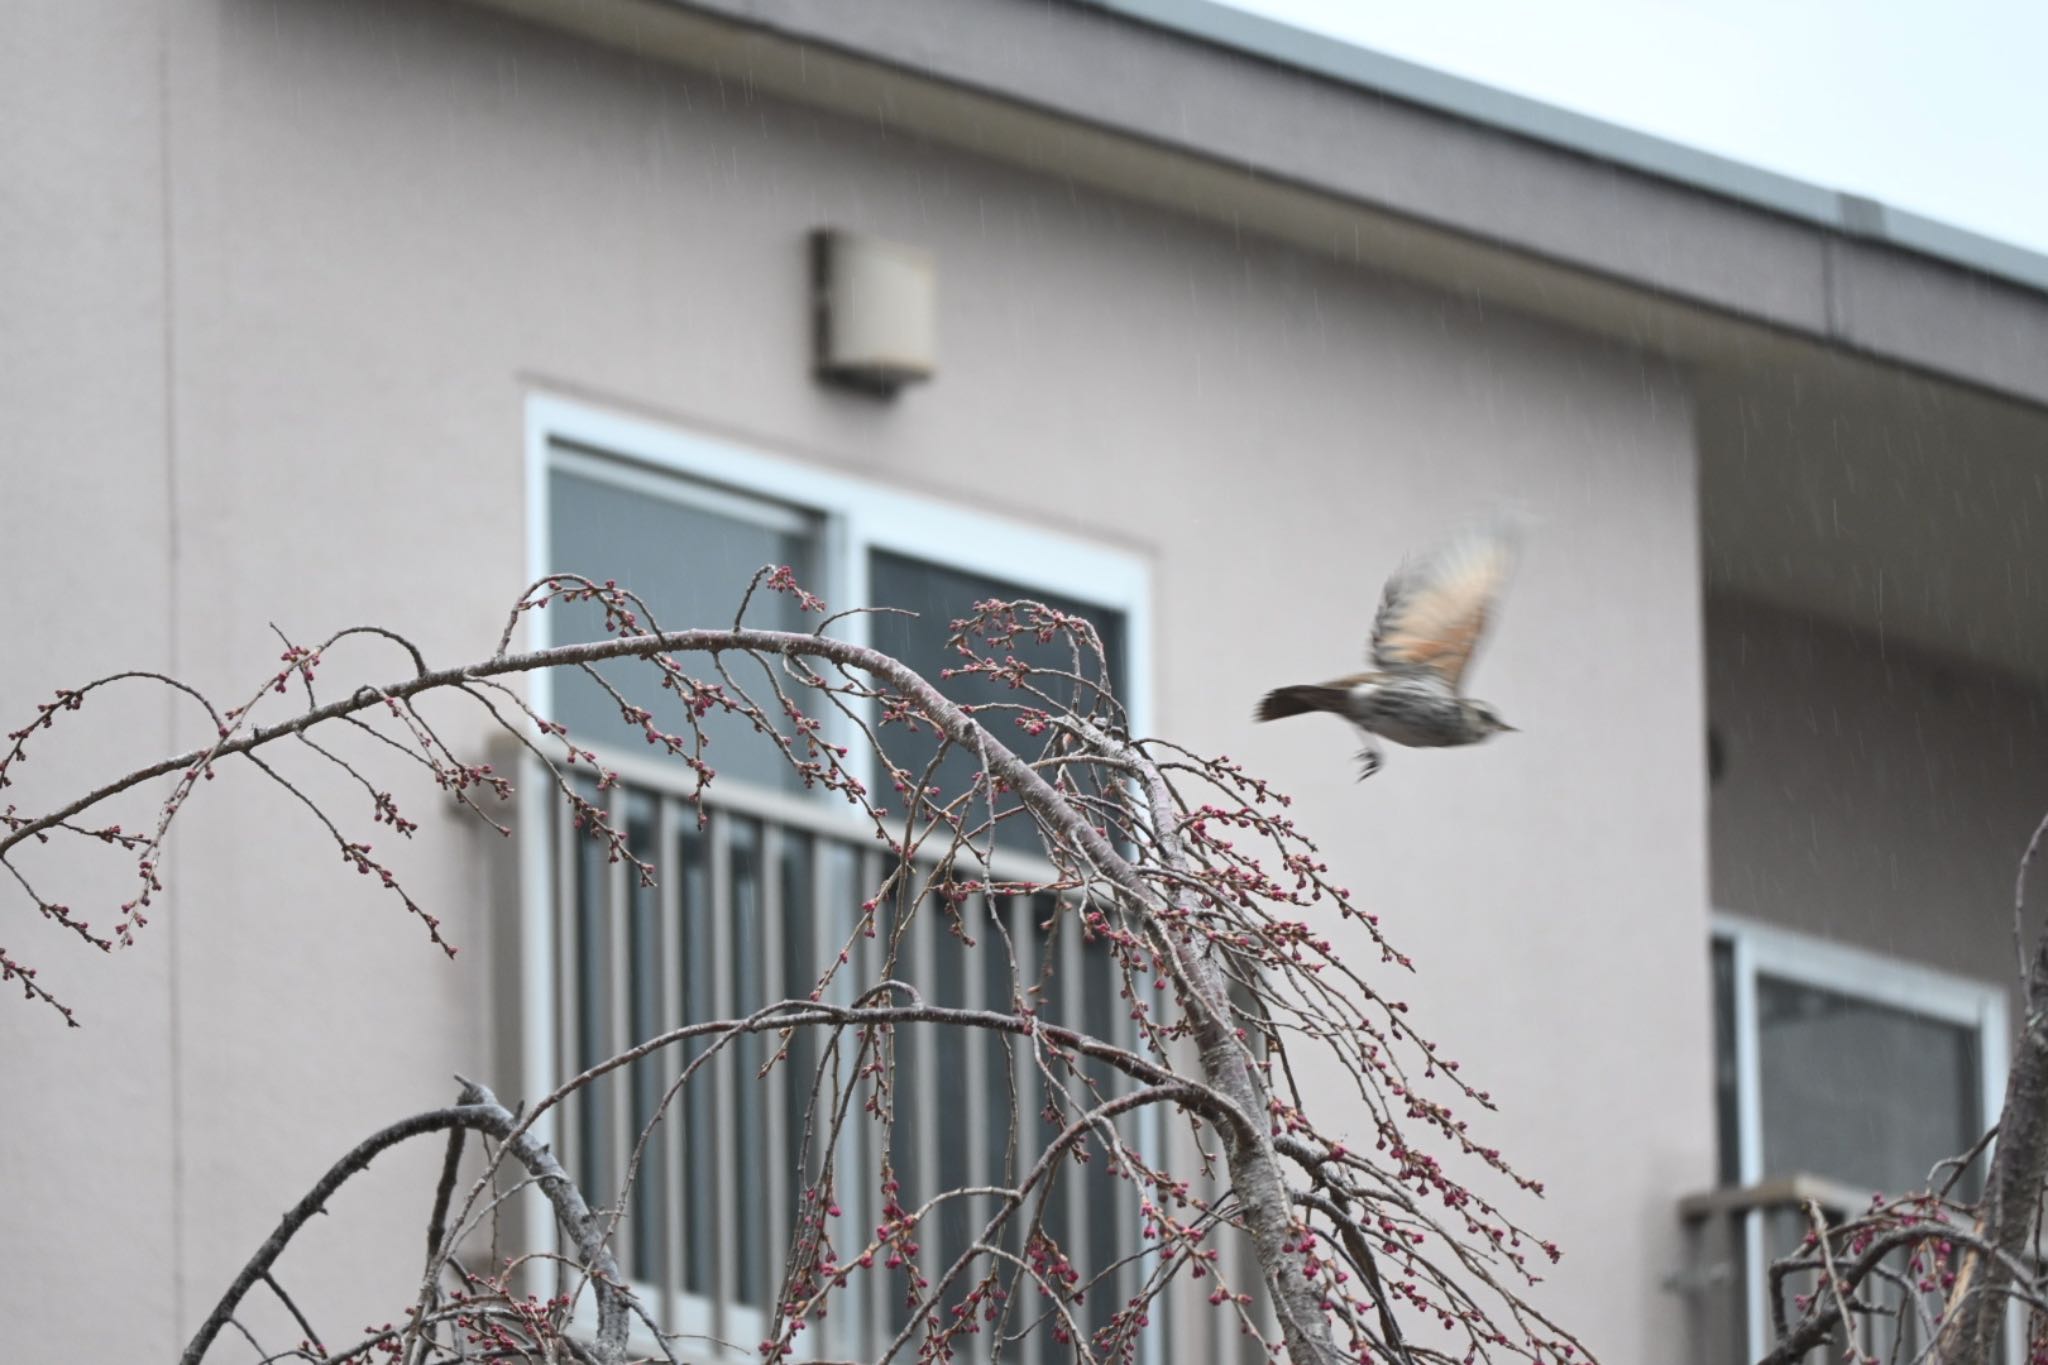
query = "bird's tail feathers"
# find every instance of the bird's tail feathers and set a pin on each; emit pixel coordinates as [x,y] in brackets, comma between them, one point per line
[1295,701]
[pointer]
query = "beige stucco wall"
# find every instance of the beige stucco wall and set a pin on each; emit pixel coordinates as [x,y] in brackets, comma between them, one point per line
[1873,794]
[385,223]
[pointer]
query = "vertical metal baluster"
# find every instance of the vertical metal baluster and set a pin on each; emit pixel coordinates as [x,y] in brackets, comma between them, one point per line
[775,1206]
[1127,1190]
[675,1213]
[925,1121]
[1074,1014]
[1152,1126]
[794,983]
[867,959]
[720,932]
[975,914]
[828,1335]
[1024,933]
[569,967]
[982,1089]
[618,925]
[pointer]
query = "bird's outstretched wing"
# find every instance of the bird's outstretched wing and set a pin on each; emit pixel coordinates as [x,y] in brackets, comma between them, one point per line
[1435,608]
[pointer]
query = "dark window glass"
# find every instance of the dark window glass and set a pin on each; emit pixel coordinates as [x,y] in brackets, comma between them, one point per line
[1860,1092]
[690,565]
[1727,1078]
[939,596]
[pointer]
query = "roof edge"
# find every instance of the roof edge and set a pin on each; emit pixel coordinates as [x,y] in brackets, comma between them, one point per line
[1478,203]
[1852,215]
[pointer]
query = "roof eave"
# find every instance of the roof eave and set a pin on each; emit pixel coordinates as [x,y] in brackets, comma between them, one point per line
[1319,142]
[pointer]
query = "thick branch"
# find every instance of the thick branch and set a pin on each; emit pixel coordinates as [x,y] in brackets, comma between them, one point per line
[1254,1167]
[357,1161]
[2019,1169]
[480,1111]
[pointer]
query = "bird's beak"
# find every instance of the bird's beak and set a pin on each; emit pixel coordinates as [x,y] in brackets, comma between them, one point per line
[1503,725]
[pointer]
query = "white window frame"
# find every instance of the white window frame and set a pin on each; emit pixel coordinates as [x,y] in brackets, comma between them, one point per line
[852,517]
[1767,949]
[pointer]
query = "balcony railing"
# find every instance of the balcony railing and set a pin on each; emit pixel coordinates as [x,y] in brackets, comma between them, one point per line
[750,909]
[1733,1236]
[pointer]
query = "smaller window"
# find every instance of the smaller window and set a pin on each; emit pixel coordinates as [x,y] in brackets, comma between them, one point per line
[1845,1064]
[1850,1071]
[1863,1092]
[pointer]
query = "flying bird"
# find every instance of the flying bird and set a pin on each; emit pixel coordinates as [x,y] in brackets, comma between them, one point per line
[1430,619]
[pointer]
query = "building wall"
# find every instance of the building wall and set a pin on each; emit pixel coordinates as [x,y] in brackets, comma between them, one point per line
[87,540]
[1874,795]
[385,223]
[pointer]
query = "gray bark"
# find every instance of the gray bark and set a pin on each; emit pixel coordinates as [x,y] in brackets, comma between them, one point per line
[2013,1189]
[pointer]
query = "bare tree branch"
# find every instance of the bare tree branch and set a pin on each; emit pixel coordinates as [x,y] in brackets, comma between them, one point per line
[481,1112]
[1151,855]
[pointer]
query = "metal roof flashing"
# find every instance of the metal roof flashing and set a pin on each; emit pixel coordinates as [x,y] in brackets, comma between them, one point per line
[1852,215]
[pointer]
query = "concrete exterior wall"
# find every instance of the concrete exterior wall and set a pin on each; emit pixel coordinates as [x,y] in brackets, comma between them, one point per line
[1873,795]
[354,236]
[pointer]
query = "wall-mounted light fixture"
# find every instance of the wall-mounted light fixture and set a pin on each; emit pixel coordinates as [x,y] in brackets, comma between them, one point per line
[875,306]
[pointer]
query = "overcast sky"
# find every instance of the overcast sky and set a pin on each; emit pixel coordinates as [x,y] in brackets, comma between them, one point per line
[1940,108]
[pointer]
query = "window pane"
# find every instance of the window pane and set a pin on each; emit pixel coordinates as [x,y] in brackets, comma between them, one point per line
[690,566]
[1860,1092]
[939,596]
[1727,1078]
